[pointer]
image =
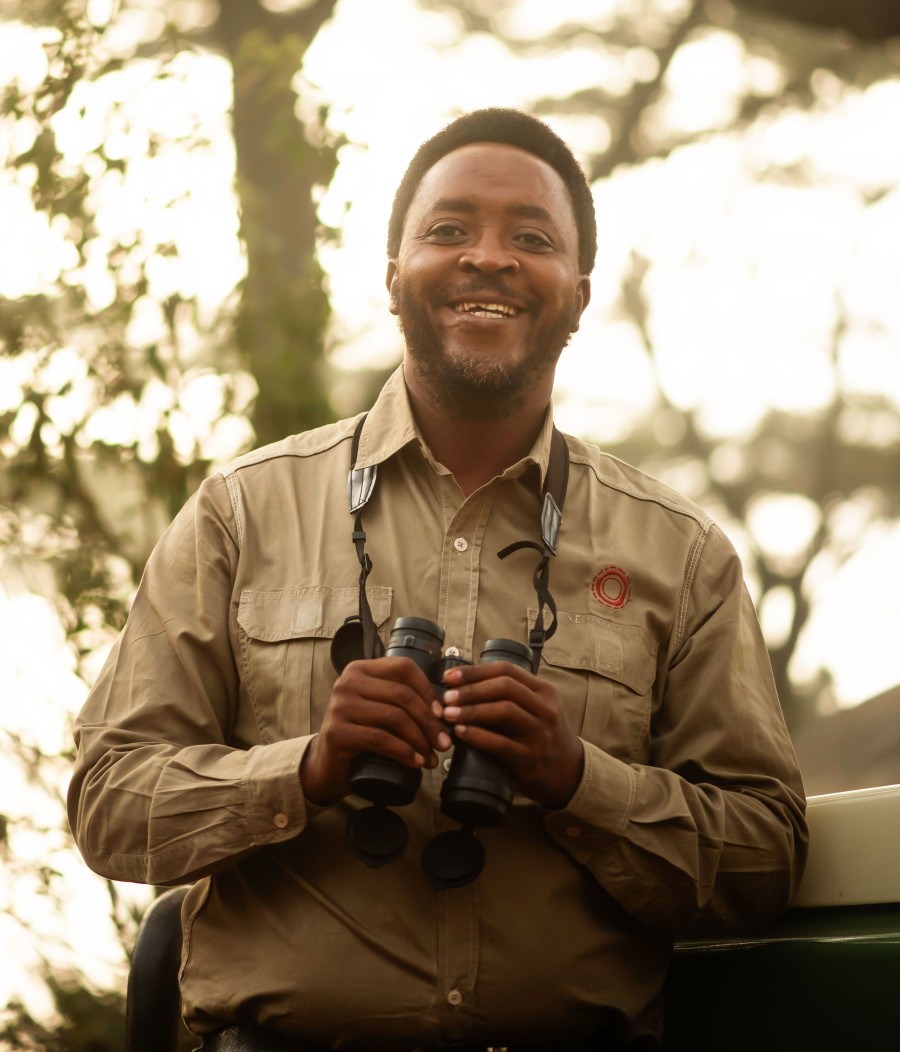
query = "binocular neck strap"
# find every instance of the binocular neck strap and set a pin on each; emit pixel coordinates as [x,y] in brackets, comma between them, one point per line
[556,482]
[361,486]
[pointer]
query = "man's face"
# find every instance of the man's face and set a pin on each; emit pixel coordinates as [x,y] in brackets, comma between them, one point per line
[486,283]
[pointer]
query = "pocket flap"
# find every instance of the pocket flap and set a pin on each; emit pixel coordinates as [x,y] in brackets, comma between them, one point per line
[620,652]
[313,611]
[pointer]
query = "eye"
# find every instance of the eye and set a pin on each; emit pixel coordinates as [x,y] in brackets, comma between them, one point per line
[533,240]
[445,231]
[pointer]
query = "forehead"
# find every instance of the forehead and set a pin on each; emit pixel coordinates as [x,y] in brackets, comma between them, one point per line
[495,176]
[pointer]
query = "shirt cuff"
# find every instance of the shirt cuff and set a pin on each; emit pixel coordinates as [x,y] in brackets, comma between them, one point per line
[274,804]
[600,807]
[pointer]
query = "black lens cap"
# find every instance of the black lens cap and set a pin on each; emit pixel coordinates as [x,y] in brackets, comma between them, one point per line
[453,859]
[377,835]
[347,644]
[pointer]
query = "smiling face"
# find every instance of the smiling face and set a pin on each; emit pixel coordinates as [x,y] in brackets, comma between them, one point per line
[486,283]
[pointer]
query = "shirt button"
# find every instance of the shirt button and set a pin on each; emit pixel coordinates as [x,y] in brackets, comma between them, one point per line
[573,831]
[460,544]
[454,998]
[451,652]
[446,764]
[280,820]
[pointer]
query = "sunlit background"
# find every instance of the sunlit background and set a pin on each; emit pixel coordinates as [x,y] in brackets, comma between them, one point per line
[747,265]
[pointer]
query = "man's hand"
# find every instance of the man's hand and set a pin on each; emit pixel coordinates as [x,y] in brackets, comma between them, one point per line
[516,716]
[382,706]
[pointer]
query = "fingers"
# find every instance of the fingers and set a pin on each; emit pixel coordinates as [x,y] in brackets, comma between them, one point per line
[501,708]
[378,706]
[389,698]
[516,716]
[478,693]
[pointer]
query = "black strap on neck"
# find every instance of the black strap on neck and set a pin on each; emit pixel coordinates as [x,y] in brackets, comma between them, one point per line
[556,482]
[361,486]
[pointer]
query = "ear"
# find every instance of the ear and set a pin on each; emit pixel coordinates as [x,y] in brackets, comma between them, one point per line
[582,299]
[391,283]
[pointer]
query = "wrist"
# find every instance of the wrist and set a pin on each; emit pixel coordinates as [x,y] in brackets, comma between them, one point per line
[317,788]
[566,786]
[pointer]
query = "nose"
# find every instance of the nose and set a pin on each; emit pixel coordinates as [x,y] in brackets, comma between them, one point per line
[489,255]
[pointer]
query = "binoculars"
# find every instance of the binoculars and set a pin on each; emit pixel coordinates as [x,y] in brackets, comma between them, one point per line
[478,790]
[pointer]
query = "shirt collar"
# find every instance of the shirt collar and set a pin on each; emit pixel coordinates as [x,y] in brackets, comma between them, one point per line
[539,454]
[390,426]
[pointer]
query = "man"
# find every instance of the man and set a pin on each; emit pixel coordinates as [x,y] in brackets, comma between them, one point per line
[656,785]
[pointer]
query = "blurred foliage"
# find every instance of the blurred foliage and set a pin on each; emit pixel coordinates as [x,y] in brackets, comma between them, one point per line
[85,1021]
[128,370]
[113,353]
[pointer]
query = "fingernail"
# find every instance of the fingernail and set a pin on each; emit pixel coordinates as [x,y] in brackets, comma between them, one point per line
[419,760]
[451,713]
[437,708]
[444,741]
[452,675]
[450,697]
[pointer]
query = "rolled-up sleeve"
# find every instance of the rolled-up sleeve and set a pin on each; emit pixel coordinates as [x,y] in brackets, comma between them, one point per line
[158,793]
[713,828]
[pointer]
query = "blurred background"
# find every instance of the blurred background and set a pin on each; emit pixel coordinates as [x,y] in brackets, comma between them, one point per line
[193,203]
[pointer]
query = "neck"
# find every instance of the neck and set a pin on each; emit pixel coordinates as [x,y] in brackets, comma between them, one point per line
[475,449]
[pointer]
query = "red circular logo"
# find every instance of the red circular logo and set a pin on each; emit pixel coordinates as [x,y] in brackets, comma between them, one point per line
[612,587]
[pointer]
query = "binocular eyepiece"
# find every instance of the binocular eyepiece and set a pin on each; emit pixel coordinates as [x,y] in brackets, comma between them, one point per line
[478,790]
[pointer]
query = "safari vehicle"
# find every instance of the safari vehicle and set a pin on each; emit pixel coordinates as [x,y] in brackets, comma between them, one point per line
[826,976]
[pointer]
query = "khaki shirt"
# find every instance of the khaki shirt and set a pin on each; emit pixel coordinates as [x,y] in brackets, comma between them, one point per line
[189,745]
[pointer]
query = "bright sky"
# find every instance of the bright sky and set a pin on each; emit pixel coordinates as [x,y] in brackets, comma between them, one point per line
[743,282]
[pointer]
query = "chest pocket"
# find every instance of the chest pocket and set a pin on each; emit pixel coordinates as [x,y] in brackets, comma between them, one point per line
[604,673]
[285,641]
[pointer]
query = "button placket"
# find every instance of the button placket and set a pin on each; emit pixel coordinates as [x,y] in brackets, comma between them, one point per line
[460,569]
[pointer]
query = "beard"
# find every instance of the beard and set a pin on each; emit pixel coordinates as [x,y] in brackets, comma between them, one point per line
[477,385]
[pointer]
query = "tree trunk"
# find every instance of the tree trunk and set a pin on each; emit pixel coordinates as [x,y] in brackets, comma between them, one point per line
[284,308]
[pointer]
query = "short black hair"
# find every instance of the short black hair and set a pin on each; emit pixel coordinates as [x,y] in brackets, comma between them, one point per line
[509,128]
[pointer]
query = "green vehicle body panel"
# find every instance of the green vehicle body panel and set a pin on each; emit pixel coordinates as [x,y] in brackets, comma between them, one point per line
[820,979]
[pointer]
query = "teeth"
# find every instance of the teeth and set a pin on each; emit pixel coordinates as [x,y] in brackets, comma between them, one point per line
[486,310]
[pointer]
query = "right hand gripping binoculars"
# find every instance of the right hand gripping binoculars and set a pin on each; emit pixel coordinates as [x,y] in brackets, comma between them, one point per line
[478,790]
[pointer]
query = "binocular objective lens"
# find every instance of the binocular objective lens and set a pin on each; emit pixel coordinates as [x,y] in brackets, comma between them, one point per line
[478,791]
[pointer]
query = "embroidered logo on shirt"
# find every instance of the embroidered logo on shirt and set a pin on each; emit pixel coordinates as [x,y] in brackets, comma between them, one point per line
[612,587]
